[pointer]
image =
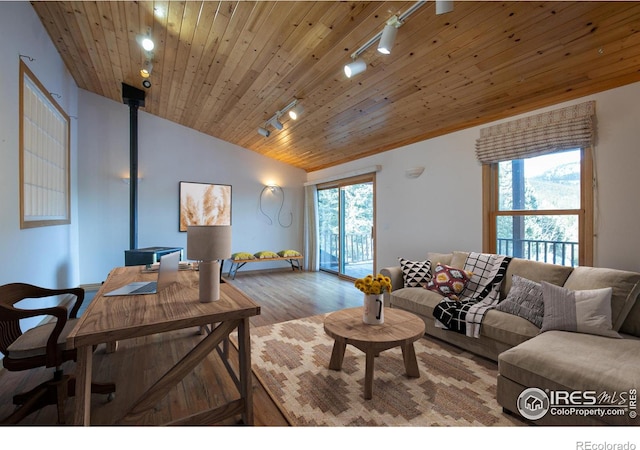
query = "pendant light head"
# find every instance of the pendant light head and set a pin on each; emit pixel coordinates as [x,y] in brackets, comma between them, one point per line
[444,6]
[145,40]
[355,67]
[296,111]
[389,35]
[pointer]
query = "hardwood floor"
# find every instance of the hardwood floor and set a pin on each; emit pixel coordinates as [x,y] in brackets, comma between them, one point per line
[283,295]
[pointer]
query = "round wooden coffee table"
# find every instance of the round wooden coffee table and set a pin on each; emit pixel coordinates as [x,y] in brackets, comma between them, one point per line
[400,329]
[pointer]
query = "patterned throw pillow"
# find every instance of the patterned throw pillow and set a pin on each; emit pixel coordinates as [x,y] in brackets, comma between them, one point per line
[265,254]
[415,273]
[288,253]
[449,281]
[524,300]
[587,311]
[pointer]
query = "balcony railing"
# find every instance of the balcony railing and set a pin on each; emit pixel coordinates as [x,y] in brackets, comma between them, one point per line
[357,247]
[556,252]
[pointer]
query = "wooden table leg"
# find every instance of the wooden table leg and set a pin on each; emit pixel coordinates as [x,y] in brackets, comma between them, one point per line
[175,374]
[244,356]
[337,354]
[410,361]
[368,375]
[82,415]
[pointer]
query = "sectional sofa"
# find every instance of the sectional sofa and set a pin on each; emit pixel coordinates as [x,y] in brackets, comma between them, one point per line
[548,375]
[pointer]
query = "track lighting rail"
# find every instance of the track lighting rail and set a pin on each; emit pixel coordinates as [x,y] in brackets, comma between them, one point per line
[401,18]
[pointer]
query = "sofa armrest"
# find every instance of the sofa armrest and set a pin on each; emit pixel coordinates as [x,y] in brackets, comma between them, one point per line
[397,281]
[395,273]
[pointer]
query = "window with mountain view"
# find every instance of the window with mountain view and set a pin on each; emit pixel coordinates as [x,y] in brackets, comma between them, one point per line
[540,208]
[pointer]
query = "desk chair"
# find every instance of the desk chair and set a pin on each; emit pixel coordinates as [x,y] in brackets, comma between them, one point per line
[42,346]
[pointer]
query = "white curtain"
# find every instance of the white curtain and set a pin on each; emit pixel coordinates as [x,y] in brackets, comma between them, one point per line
[311,251]
[561,129]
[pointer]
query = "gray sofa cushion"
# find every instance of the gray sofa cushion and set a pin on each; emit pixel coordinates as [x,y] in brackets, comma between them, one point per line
[557,359]
[416,300]
[497,325]
[623,284]
[459,259]
[443,258]
[534,271]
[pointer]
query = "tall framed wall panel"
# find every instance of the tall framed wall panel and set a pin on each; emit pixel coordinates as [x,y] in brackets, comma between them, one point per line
[44,156]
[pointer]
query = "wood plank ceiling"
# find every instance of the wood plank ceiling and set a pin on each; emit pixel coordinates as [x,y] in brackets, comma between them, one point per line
[224,68]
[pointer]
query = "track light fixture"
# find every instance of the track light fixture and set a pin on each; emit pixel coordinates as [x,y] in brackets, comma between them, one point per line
[389,35]
[294,109]
[355,67]
[276,123]
[444,6]
[145,40]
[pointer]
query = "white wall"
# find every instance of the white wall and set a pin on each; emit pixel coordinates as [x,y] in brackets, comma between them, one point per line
[170,153]
[442,209]
[46,256]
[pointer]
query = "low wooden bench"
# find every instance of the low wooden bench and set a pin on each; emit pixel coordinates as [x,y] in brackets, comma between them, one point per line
[294,261]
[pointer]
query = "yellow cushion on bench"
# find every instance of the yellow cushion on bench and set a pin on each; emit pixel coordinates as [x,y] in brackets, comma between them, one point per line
[265,254]
[288,253]
[242,255]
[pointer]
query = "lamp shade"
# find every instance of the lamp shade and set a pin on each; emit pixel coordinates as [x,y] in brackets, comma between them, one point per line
[208,242]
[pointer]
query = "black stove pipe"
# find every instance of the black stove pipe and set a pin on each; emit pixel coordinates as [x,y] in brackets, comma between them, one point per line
[133,97]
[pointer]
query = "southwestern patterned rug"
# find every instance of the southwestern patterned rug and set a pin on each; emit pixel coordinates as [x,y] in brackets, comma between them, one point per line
[291,360]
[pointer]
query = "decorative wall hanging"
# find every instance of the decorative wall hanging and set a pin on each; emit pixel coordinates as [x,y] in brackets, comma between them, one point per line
[44,156]
[204,204]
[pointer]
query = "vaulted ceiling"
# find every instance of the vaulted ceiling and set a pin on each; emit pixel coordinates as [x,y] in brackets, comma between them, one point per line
[224,68]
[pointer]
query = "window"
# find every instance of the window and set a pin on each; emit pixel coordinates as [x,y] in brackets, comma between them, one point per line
[44,156]
[541,208]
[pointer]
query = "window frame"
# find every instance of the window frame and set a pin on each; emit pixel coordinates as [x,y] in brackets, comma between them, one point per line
[491,211]
[339,184]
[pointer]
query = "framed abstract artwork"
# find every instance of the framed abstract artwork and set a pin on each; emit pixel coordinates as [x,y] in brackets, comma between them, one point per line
[204,204]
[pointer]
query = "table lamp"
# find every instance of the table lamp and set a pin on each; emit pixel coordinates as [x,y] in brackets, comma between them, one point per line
[208,244]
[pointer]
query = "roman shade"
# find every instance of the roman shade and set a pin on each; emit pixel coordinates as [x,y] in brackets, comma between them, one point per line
[561,129]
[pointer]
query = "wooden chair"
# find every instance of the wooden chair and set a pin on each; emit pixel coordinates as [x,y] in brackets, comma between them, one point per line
[42,346]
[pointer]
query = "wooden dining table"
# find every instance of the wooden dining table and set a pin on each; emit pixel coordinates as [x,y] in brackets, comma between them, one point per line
[108,320]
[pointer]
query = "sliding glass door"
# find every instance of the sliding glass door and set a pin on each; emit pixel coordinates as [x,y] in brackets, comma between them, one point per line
[346,226]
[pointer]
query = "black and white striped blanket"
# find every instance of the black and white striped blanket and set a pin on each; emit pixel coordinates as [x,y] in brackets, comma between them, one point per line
[480,295]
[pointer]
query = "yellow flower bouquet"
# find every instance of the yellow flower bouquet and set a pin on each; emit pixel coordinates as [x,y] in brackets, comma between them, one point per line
[374,285]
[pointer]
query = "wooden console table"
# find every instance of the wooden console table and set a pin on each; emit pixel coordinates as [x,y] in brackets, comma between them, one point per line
[110,319]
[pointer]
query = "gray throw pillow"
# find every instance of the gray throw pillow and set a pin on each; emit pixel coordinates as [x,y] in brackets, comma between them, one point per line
[524,300]
[587,311]
[415,273]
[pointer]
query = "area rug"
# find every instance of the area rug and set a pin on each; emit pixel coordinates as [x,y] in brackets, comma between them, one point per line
[455,388]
